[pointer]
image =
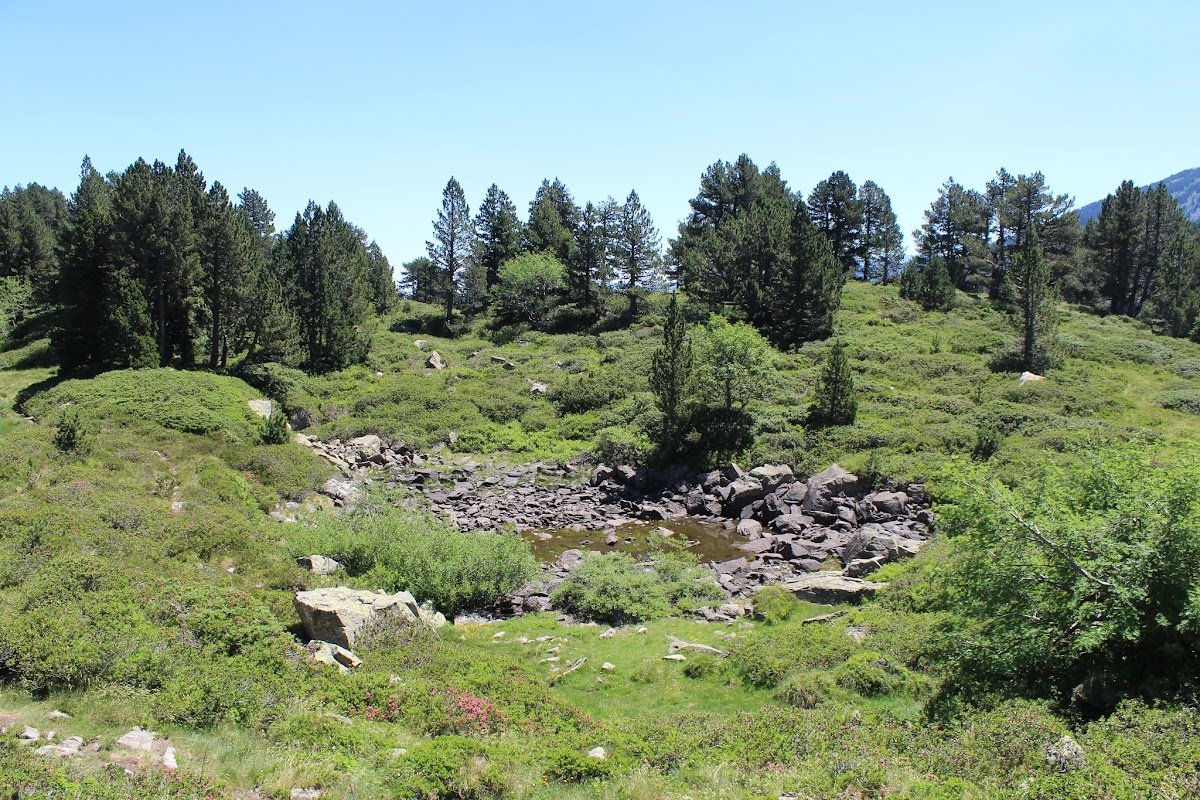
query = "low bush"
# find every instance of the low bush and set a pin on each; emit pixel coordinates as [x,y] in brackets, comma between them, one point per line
[1186,400]
[870,674]
[617,588]
[807,689]
[774,604]
[397,550]
[449,767]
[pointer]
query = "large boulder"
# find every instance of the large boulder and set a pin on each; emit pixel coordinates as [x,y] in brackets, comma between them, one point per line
[772,476]
[435,361]
[321,565]
[742,493]
[338,615]
[831,587]
[828,484]
[366,447]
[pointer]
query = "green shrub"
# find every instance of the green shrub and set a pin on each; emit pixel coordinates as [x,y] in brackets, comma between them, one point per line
[617,588]
[702,666]
[766,657]
[870,674]
[774,604]
[71,436]
[396,550]
[275,429]
[449,767]
[1186,400]
[806,689]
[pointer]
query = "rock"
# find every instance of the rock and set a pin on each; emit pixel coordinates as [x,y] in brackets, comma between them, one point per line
[169,761]
[828,484]
[603,472]
[337,615]
[888,505]
[661,532]
[137,739]
[608,666]
[792,523]
[640,631]
[1028,377]
[569,560]
[598,752]
[537,387]
[742,493]
[56,714]
[333,655]
[730,567]
[366,446]
[321,565]
[610,538]
[1065,755]
[772,476]
[625,474]
[343,491]
[30,734]
[831,587]
[751,529]
[421,344]
[435,360]
[731,473]
[608,634]
[305,794]
[262,408]
[503,362]
[675,657]
[794,494]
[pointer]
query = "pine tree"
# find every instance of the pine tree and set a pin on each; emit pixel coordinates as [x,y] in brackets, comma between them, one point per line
[807,289]
[1035,300]
[955,229]
[636,250]
[835,400]
[837,212]
[881,242]
[225,271]
[670,378]
[497,234]
[927,282]
[453,243]
[88,259]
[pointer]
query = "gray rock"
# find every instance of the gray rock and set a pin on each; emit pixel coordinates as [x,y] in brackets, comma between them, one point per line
[337,615]
[333,655]
[772,476]
[1066,755]
[831,587]
[751,529]
[321,565]
[137,739]
[828,484]
[792,523]
[366,446]
[742,493]
[435,360]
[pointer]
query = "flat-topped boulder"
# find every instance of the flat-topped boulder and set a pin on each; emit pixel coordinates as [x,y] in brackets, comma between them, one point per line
[831,587]
[338,615]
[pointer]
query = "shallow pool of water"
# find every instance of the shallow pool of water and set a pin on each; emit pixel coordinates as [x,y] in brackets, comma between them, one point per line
[707,541]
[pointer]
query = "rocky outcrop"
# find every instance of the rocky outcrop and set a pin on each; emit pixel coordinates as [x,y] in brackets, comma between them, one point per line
[831,587]
[338,615]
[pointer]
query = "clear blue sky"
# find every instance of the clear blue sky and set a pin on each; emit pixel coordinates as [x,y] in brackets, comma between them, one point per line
[376,105]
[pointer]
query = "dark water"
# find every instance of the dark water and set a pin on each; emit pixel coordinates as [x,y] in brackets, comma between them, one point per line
[708,542]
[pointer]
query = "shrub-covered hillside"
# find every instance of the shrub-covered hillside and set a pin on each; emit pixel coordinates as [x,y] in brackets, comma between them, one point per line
[1044,645]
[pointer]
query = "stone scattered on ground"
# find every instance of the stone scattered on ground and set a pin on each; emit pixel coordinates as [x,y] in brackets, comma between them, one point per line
[435,361]
[137,739]
[262,408]
[30,734]
[67,748]
[337,615]
[598,752]
[333,655]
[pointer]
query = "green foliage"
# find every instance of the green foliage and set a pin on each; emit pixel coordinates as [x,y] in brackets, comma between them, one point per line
[870,674]
[385,547]
[189,402]
[448,767]
[527,287]
[766,657]
[71,436]
[734,363]
[1080,578]
[275,428]
[1186,400]
[617,588]
[807,689]
[835,401]
[928,284]
[774,604]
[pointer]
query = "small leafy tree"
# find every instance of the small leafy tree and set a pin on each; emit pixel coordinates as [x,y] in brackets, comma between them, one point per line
[736,362]
[528,285]
[835,401]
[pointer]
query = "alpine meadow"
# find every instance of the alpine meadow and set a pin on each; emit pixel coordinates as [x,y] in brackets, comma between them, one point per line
[774,499]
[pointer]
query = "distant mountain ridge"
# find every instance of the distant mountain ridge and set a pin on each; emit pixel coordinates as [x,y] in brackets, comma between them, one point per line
[1184,186]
